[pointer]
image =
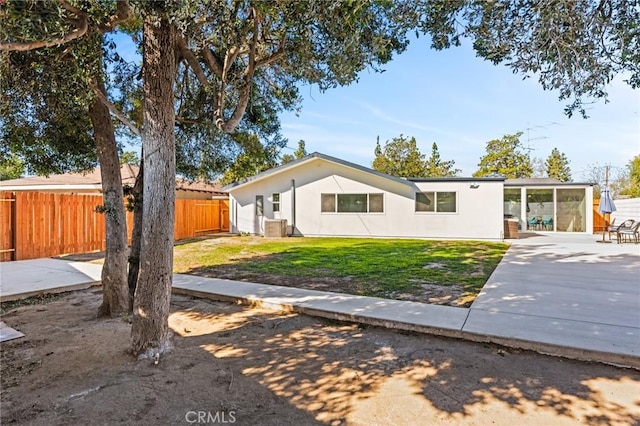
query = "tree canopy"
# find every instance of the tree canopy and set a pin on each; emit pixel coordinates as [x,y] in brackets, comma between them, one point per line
[402,157]
[213,54]
[399,157]
[43,112]
[256,158]
[573,47]
[209,65]
[11,168]
[435,167]
[297,154]
[632,189]
[557,166]
[505,157]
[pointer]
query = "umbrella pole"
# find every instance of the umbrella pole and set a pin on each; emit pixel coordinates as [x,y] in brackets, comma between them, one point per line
[605,229]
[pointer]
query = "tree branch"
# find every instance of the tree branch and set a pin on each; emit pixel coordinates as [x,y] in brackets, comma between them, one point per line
[102,97]
[83,26]
[184,120]
[123,12]
[229,58]
[211,61]
[273,57]
[191,59]
[247,78]
[69,8]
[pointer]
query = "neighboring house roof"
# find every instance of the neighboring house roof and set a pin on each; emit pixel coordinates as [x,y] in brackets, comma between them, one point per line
[543,182]
[317,155]
[86,179]
[92,180]
[186,185]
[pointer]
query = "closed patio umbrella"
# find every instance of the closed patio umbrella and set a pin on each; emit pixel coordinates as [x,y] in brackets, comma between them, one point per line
[606,206]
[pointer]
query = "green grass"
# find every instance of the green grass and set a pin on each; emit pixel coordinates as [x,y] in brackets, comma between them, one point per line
[379,266]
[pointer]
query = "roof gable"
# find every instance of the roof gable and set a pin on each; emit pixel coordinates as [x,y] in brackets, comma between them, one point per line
[306,159]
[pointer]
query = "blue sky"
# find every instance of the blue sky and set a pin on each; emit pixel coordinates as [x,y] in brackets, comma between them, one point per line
[460,102]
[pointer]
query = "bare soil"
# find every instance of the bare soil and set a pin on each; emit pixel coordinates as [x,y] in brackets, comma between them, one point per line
[436,294]
[233,364]
[432,293]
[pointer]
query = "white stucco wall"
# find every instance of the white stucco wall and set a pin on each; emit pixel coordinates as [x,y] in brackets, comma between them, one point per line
[479,210]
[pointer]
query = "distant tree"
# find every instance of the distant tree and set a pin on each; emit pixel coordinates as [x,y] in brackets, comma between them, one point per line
[633,169]
[557,166]
[297,154]
[506,157]
[400,157]
[11,168]
[130,157]
[617,179]
[539,168]
[435,167]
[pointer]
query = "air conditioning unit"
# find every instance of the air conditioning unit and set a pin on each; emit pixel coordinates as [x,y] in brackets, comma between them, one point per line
[275,228]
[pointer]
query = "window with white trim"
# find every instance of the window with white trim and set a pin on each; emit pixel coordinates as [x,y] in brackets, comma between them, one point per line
[275,201]
[352,203]
[436,202]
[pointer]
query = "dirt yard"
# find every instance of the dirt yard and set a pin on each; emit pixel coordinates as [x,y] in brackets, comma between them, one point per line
[237,365]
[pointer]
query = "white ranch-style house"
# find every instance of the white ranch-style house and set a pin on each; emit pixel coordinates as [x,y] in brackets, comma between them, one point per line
[320,195]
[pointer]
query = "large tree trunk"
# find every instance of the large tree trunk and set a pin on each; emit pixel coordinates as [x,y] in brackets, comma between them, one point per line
[114,271]
[150,328]
[136,234]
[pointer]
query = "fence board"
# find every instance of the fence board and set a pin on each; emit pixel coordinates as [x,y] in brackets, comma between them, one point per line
[7,226]
[47,224]
[600,223]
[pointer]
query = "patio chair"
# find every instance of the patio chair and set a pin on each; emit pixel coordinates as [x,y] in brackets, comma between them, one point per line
[613,228]
[533,223]
[632,233]
[547,223]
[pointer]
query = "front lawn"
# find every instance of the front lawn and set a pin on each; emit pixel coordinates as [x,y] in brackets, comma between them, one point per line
[390,268]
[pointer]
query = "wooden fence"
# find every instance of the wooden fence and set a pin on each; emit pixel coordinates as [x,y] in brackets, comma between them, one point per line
[600,223]
[36,224]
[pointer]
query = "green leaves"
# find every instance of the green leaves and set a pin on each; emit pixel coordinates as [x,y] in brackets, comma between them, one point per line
[435,167]
[557,166]
[506,157]
[575,48]
[401,157]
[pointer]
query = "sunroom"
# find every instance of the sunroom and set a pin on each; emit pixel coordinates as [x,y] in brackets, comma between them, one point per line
[548,205]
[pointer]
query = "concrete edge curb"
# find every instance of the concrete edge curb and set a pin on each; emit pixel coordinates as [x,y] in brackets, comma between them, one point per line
[618,360]
[55,290]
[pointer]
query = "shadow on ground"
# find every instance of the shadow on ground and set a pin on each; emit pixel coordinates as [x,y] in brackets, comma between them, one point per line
[277,368]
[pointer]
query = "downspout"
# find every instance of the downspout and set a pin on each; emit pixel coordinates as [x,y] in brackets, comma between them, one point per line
[293,207]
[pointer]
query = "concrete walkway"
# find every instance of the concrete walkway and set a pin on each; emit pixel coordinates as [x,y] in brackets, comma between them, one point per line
[560,294]
[28,278]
